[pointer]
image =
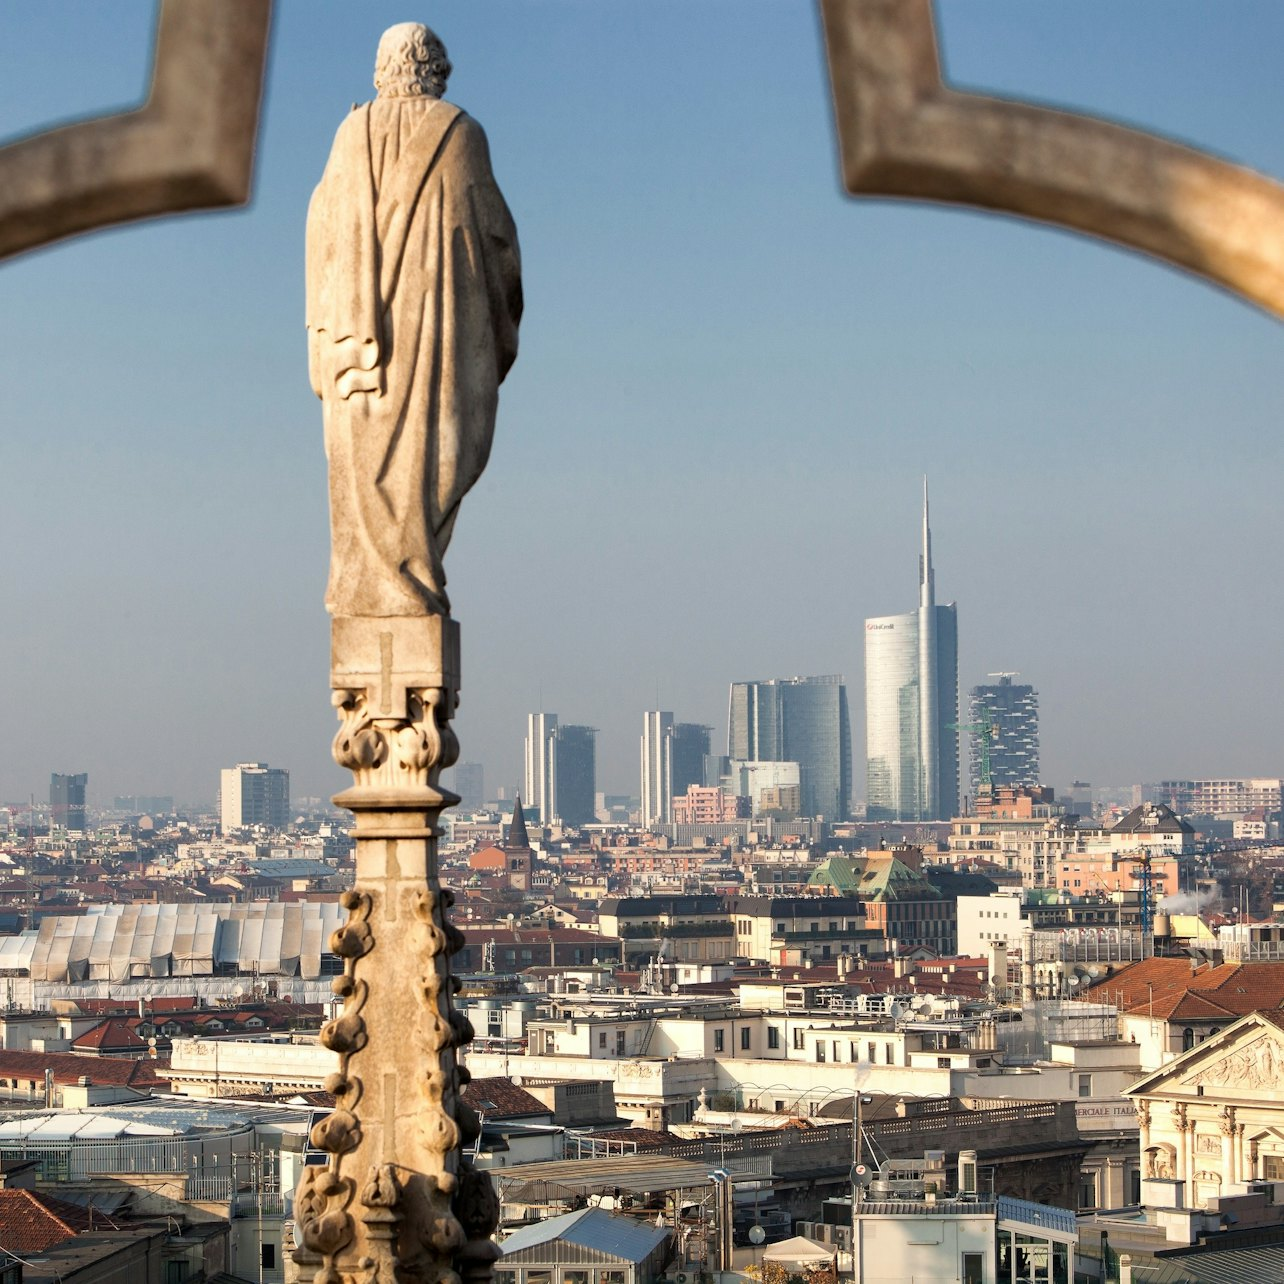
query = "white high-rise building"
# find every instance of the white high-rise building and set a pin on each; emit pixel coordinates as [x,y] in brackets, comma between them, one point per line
[911,705]
[561,770]
[657,768]
[541,765]
[252,793]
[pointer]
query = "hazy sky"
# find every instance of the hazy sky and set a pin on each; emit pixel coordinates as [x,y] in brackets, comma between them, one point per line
[708,455]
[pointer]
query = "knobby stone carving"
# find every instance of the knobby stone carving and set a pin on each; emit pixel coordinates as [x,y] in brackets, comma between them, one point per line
[414,296]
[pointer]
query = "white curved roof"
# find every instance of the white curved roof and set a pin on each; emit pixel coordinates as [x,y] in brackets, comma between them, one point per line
[117,942]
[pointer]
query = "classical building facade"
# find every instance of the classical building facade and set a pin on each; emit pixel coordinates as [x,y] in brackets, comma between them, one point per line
[1212,1121]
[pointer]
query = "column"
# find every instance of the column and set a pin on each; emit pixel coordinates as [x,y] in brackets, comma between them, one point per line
[396,1199]
[1226,1123]
[1182,1168]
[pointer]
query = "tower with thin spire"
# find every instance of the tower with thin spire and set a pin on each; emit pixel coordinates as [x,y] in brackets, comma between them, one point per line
[911,704]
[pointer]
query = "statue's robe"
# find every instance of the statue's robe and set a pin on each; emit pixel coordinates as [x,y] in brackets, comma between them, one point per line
[414,297]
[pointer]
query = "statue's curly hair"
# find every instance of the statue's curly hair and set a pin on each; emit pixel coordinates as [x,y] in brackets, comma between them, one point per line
[411,63]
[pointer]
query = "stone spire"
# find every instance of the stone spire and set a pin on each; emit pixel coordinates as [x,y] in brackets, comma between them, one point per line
[517,836]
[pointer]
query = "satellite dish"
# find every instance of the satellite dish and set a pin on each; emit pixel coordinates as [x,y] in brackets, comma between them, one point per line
[756,1235]
[862,1174]
[736,1125]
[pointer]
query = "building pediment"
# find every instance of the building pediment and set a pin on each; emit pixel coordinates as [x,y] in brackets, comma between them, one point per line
[1246,1059]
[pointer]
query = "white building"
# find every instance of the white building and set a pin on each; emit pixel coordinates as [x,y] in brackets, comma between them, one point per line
[657,768]
[252,793]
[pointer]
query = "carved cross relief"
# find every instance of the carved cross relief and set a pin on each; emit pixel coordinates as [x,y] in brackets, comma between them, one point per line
[903,132]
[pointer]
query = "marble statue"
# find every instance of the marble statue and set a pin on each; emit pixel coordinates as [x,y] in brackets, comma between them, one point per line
[414,297]
[413,301]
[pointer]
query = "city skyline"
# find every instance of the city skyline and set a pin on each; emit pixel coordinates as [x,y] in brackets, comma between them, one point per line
[712,487]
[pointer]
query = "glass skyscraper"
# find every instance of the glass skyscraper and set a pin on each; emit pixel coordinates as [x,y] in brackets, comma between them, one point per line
[911,705]
[802,720]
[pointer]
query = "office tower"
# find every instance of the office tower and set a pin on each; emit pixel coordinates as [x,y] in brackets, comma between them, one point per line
[252,793]
[672,761]
[470,785]
[657,768]
[575,781]
[802,720]
[541,731]
[561,770]
[911,705]
[67,801]
[1011,711]
[690,745]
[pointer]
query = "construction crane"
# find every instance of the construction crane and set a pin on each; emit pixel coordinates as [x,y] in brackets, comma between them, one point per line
[987,730]
[1145,876]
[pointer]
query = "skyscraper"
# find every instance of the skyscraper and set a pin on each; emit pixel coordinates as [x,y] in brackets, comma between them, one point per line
[67,801]
[470,784]
[802,720]
[252,793]
[561,770]
[1012,711]
[657,767]
[911,702]
[672,761]
[541,734]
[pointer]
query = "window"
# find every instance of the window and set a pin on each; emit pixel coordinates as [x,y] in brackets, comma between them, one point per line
[1085,1085]
[619,1043]
[608,1277]
[745,1035]
[718,1039]
[820,1049]
[973,1268]
[1087,1190]
[780,927]
[575,1277]
[1273,1167]
[798,1039]
[813,927]
[833,925]
[773,1036]
[267,1256]
[873,1053]
[833,1051]
[601,1039]
[887,1054]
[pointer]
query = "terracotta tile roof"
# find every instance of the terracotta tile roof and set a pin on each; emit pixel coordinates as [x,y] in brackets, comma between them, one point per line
[142,1074]
[1168,988]
[31,1222]
[113,1035]
[501,1098]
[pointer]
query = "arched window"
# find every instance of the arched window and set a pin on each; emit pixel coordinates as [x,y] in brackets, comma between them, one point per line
[1187,1039]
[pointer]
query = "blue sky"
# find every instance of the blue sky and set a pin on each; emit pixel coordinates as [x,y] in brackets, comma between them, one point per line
[708,457]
